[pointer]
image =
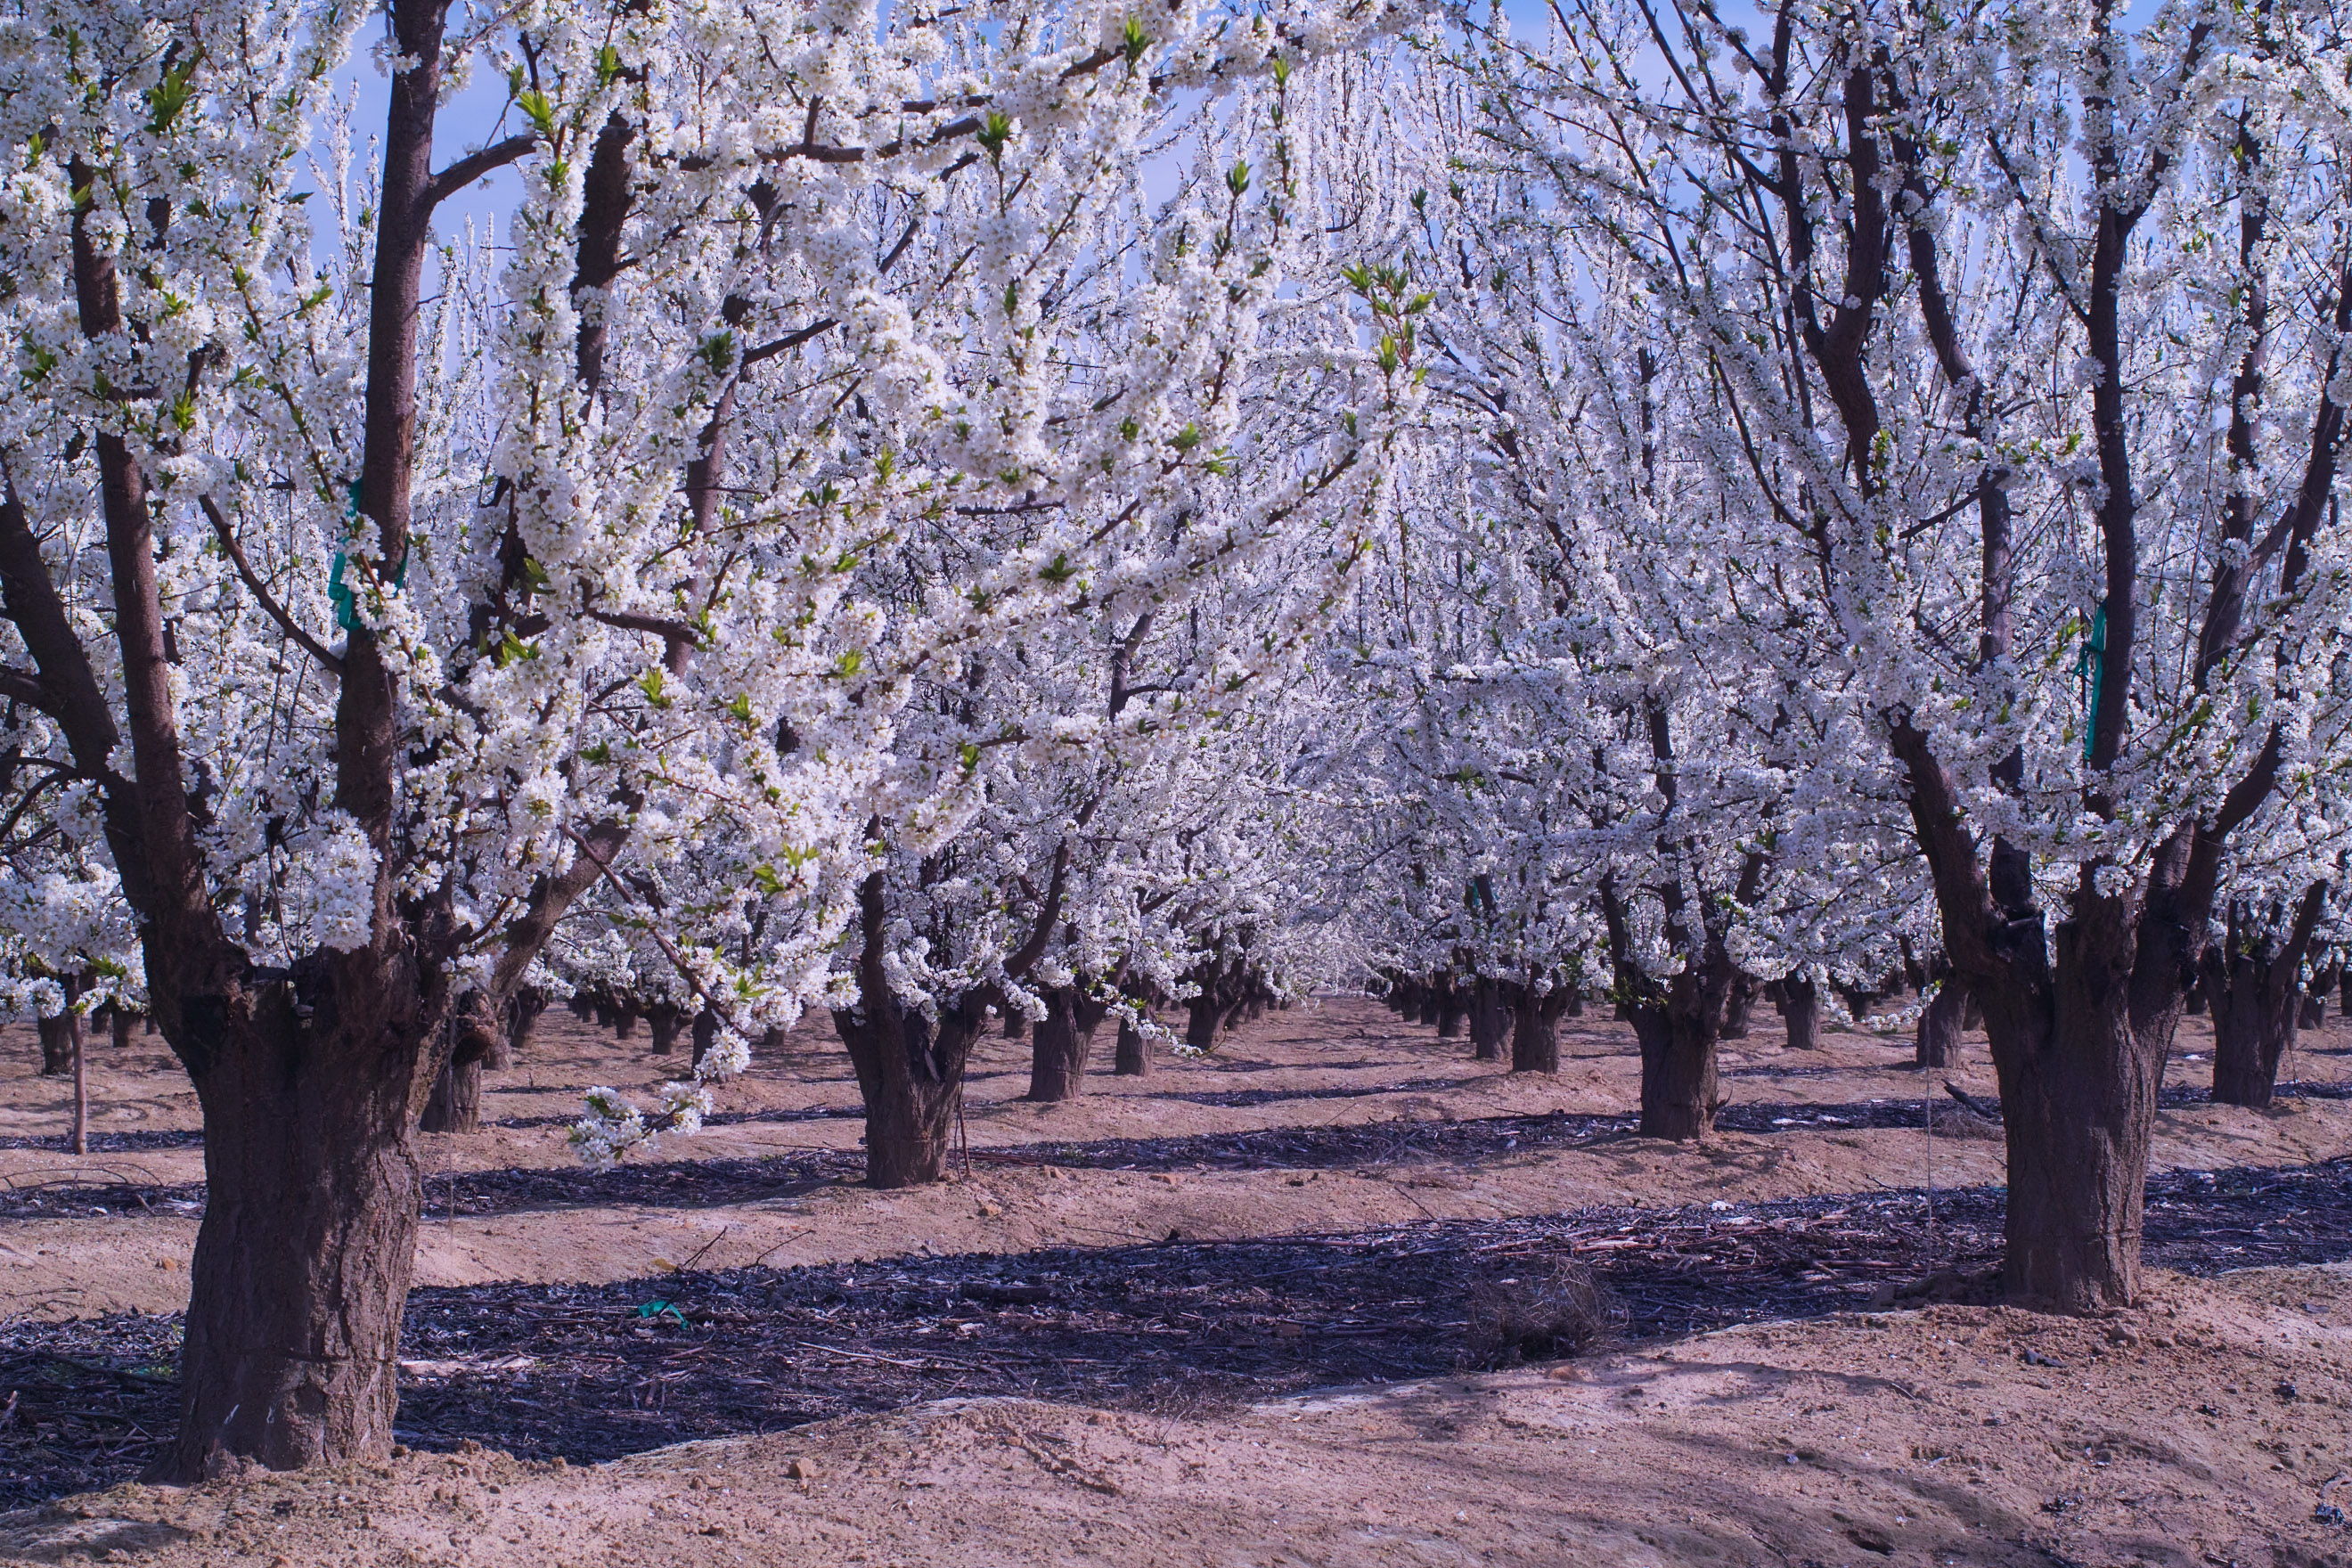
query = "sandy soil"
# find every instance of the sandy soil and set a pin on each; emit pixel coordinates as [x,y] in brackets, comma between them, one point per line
[2203,1427]
[1344,1061]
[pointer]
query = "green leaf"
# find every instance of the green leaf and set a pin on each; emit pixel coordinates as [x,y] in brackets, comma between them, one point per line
[994,131]
[171,95]
[534,104]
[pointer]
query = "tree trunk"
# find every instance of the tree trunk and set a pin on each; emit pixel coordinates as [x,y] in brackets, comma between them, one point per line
[1801,1009]
[1534,1029]
[1490,1019]
[1680,1091]
[1202,1015]
[1134,1052]
[1016,1024]
[522,1023]
[56,1045]
[705,1033]
[2314,1014]
[303,1261]
[1452,1010]
[1741,1003]
[2251,981]
[119,1021]
[1433,1005]
[1939,1025]
[668,1022]
[910,1075]
[1057,1057]
[456,1103]
[2079,1078]
[624,1022]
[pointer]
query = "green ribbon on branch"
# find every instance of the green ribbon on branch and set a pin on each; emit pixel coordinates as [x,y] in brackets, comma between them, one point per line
[340,594]
[2090,666]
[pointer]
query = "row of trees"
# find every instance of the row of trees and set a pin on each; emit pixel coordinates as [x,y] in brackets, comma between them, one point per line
[931,515]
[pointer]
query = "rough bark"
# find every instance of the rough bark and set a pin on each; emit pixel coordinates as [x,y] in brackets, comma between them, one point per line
[1534,1029]
[1202,1015]
[456,1102]
[1134,1058]
[1938,1043]
[1741,1003]
[1453,1006]
[667,1020]
[1491,1007]
[1680,1091]
[522,1023]
[1799,1002]
[1064,1040]
[313,1187]
[2252,979]
[910,1075]
[56,1045]
[1679,1025]
[455,1105]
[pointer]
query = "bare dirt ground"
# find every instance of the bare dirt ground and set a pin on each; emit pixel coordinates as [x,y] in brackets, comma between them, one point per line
[2208,1426]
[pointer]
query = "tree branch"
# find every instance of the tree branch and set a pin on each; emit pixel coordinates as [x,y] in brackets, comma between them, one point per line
[472,167]
[261,594]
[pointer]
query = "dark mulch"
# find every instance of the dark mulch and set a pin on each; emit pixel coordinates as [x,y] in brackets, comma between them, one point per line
[593,1371]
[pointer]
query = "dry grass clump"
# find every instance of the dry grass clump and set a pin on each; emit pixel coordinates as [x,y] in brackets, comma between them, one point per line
[1545,1310]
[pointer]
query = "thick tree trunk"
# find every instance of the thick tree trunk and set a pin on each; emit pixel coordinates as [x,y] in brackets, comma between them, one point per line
[1452,1010]
[910,1074]
[1742,1003]
[303,1261]
[1680,1091]
[1490,1018]
[1433,1005]
[522,1023]
[624,1022]
[1800,1002]
[705,1033]
[1057,1056]
[2314,1013]
[669,1021]
[1939,1025]
[1016,1024]
[1202,1015]
[1134,1060]
[456,1103]
[1678,1025]
[56,1045]
[1534,1029]
[2079,1078]
[119,1023]
[2251,980]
